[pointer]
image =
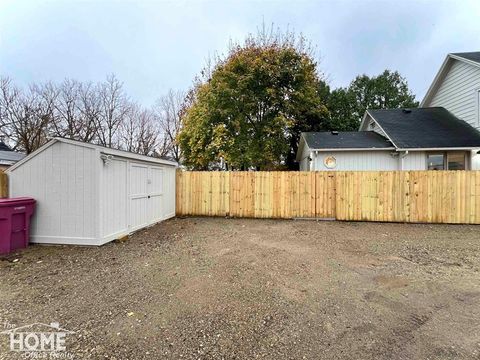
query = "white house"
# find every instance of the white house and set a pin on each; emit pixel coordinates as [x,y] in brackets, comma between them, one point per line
[456,87]
[88,194]
[394,139]
[442,134]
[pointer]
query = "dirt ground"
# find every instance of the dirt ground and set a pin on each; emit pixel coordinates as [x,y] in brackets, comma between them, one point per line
[204,288]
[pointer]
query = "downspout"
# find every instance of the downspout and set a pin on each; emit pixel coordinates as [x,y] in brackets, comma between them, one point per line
[402,156]
[313,156]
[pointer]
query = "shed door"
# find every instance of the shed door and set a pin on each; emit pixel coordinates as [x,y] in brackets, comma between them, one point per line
[146,195]
[155,193]
[139,214]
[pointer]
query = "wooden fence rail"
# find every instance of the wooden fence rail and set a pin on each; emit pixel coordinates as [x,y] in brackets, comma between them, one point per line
[396,196]
[3,185]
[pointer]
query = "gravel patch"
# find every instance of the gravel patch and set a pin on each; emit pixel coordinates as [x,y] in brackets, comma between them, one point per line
[214,288]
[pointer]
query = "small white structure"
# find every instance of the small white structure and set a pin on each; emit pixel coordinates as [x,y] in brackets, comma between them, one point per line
[89,195]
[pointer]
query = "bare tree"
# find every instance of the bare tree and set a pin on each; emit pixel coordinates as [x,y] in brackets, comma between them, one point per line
[8,95]
[89,104]
[114,106]
[89,112]
[168,111]
[24,117]
[138,131]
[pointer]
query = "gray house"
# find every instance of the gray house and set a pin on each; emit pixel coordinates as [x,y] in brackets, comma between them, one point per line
[443,134]
[8,157]
[456,87]
[394,139]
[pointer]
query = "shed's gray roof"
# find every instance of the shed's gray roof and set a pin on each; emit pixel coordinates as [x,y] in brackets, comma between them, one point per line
[346,140]
[433,127]
[472,56]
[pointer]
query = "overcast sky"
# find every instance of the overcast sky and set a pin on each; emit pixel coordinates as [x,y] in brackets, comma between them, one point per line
[153,46]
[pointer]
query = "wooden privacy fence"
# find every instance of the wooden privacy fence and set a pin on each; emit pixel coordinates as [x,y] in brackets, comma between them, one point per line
[396,196]
[3,185]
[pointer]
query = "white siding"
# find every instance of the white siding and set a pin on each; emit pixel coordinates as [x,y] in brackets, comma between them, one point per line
[62,179]
[475,161]
[458,92]
[81,200]
[415,160]
[359,160]
[114,198]
[135,194]
[169,192]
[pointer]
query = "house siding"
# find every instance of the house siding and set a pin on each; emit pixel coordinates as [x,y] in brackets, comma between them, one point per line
[459,92]
[415,160]
[359,160]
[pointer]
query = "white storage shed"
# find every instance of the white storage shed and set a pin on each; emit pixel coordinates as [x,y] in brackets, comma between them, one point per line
[89,194]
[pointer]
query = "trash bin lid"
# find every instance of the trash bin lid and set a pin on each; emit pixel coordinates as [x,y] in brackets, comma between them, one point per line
[15,201]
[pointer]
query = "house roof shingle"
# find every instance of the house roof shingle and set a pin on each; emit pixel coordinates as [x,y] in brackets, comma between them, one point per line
[472,56]
[433,127]
[346,140]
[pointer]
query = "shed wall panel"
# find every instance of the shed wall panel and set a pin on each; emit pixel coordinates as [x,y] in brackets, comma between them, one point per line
[114,198]
[61,178]
[169,192]
[81,200]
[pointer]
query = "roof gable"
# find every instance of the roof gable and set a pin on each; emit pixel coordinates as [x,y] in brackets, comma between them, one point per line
[471,58]
[426,128]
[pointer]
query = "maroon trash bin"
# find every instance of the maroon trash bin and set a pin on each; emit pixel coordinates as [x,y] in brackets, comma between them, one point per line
[15,217]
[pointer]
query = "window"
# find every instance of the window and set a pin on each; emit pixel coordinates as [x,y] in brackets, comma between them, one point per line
[447,161]
[456,161]
[435,162]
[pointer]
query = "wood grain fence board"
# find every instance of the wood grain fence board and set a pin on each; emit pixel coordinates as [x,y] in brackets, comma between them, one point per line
[395,196]
[3,185]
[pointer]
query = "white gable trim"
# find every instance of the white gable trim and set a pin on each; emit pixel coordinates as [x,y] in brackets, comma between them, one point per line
[363,125]
[301,144]
[354,149]
[31,155]
[474,63]
[439,149]
[441,75]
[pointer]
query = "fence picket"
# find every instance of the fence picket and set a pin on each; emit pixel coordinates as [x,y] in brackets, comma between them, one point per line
[396,196]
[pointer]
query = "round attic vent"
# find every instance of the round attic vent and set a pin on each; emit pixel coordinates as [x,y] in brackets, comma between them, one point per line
[330,162]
